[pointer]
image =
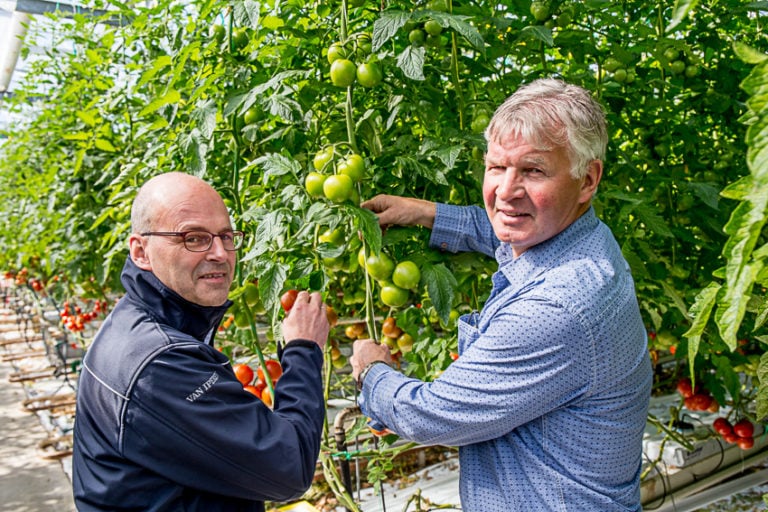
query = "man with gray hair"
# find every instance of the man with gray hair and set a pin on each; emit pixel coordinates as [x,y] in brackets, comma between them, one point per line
[548,399]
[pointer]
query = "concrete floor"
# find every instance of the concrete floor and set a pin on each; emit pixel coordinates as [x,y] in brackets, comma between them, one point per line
[28,481]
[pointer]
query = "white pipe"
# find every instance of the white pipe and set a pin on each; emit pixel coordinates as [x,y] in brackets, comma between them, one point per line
[713,494]
[13,41]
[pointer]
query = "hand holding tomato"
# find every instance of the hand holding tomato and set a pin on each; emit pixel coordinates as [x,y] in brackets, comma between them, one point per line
[366,351]
[307,319]
[402,211]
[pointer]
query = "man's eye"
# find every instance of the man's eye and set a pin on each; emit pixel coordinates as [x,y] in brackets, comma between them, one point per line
[226,237]
[196,238]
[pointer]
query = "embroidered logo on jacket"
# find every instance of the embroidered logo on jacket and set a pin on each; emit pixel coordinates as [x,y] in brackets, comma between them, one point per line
[203,388]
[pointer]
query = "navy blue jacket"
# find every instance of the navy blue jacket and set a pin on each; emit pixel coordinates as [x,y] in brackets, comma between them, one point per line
[162,424]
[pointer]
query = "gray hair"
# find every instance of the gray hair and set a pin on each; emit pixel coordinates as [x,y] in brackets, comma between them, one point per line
[548,113]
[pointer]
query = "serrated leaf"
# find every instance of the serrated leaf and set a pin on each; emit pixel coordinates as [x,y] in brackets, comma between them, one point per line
[748,54]
[271,281]
[368,224]
[104,145]
[441,288]
[246,13]
[274,164]
[700,311]
[540,33]
[205,115]
[168,98]
[680,11]
[411,62]
[386,26]
[762,390]
[653,221]
[468,32]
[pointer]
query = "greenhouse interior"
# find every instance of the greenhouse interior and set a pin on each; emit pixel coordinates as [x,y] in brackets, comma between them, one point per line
[303,125]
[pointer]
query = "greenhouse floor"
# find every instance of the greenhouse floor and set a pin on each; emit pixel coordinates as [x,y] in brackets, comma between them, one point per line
[28,482]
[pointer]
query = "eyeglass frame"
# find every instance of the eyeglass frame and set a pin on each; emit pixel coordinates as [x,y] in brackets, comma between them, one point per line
[235,233]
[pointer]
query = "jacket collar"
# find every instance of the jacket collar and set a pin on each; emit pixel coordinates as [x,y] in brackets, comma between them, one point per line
[167,306]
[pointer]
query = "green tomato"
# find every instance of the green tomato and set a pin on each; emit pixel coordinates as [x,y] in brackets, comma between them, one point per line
[437,5]
[369,74]
[678,67]
[480,123]
[691,70]
[240,38]
[620,75]
[417,37]
[539,11]
[322,158]
[314,183]
[406,275]
[342,72]
[336,51]
[353,166]
[333,237]
[251,116]
[612,64]
[433,27]
[379,266]
[393,296]
[338,187]
[671,54]
[217,32]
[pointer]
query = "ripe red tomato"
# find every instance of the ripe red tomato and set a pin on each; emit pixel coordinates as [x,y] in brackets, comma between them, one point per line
[288,299]
[744,428]
[685,388]
[253,390]
[244,373]
[698,402]
[342,72]
[745,443]
[273,368]
[730,437]
[722,426]
[390,329]
[266,397]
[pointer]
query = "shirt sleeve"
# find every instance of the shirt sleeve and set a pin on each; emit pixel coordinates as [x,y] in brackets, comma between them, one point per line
[463,229]
[532,359]
[190,420]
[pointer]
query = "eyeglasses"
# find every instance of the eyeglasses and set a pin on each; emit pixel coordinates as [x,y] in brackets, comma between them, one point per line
[201,241]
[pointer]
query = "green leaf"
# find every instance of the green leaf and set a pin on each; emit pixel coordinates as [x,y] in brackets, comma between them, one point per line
[386,26]
[539,33]
[652,220]
[277,165]
[104,145]
[368,224]
[748,54]
[680,11]
[700,311]
[411,62]
[762,390]
[271,278]
[441,288]
[168,98]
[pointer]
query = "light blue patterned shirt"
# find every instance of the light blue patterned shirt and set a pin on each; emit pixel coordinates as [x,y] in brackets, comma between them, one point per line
[548,399]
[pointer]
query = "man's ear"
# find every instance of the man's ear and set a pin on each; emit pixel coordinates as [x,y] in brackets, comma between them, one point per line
[591,180]
[138,252]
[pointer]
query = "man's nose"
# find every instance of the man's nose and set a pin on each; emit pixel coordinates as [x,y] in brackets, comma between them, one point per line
[511,185]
